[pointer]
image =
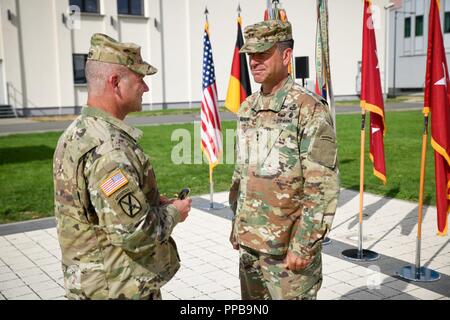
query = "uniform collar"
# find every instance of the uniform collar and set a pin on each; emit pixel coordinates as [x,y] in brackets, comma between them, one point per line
[278,97]
[90,111]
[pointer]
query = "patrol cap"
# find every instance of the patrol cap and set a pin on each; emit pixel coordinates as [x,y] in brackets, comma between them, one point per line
[106,49]
[262,36]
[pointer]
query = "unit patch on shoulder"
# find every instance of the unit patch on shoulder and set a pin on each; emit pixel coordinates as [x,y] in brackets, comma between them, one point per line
[113,183]
[130,205]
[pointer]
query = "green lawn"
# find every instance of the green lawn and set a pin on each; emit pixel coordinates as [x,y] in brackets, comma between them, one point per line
[26,191]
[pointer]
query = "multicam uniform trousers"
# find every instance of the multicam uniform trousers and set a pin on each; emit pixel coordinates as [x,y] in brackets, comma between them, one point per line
[264,277]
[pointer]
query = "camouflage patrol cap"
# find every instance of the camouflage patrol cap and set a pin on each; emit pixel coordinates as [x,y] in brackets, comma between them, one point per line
[262,36]
[106,49]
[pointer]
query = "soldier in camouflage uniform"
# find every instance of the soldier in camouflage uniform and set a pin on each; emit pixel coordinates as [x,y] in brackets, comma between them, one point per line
[285,185]
[114,228]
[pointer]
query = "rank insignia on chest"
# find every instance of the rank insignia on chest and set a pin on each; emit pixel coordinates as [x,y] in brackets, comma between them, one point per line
[115,181]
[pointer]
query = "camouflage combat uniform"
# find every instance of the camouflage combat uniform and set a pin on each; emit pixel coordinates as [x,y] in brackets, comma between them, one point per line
[285,190]
[113,233]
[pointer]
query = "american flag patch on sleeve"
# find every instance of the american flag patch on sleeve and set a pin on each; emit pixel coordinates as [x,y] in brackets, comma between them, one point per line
[116,181]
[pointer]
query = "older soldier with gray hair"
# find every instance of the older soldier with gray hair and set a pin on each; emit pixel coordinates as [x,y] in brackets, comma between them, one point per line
[113,226]
[285,186]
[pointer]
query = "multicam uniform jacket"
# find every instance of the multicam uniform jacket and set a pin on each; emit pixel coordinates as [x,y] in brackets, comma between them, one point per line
[114,235]
[285,185]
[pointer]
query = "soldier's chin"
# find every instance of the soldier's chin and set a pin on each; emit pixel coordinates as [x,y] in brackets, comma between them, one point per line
[137,107]
[258,76]
[258,79]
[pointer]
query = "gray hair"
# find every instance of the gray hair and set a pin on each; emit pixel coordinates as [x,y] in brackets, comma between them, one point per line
[287,44]
[97,74]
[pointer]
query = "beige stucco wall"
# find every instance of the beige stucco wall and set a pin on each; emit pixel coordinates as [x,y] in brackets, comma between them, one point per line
[37,47]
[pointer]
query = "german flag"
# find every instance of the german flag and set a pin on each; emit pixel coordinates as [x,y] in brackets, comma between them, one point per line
[436,101]
[239,86]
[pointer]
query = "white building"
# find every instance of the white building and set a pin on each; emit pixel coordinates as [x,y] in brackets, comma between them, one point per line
[43,47]
[409,43]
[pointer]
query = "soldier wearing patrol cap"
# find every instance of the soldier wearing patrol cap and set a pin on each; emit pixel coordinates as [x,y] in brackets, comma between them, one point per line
[114,228]
[285,185]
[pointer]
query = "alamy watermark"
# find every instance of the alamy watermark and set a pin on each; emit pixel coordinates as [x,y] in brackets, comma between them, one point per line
[254,147]
[73,18]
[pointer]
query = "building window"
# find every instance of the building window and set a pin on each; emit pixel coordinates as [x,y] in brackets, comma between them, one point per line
[447,22]
[419,26]
[130,7]
[90,6]
[79,63]
[407,27]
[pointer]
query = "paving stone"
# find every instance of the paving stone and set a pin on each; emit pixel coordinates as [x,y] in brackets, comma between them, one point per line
[21,266]
[23,273]
[327,295]
[341,288]
[36,279]
[51,293]
[16,292]
[362,295]
[168,296]
[47,261]
[401,285]
[31,296]
[224,295]
[7,276]
[209,288]
[187,293]
[45,285]
[424,294]
[384,292]
[196,280]
[403,296]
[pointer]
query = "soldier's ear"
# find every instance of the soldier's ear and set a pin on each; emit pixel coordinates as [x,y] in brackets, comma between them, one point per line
[287,56]
[114,80]
[113,83]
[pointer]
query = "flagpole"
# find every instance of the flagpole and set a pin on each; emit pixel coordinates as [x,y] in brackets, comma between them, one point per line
[361,254]
[417,273]
[211,188]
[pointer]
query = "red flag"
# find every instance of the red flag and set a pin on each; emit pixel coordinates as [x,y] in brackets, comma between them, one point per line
[239,86]
[436,101]
[210,122]
[371,95]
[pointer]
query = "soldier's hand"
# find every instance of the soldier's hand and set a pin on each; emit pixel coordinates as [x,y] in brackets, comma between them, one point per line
[294,262]
[163,200]
[233,241]
[183,206]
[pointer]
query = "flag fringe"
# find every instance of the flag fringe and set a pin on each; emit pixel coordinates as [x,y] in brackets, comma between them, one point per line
[445,231]
[212,164]
[439,149]
[375,109]
[377,173]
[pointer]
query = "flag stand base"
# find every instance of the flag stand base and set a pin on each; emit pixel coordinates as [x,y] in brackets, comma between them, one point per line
[360,255]
[419,275]
[213,206]
[326,241]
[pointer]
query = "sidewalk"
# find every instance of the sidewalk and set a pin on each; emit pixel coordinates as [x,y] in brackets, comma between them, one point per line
[30,261]
[29,125]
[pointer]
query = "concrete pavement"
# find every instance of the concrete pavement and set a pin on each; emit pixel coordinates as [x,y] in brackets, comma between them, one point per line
[30,255]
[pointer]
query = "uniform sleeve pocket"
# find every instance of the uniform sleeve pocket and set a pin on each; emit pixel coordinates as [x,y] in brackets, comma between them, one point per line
[323,148]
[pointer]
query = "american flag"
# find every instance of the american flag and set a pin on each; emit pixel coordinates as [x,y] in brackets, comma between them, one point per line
[114,183]
[210,121]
